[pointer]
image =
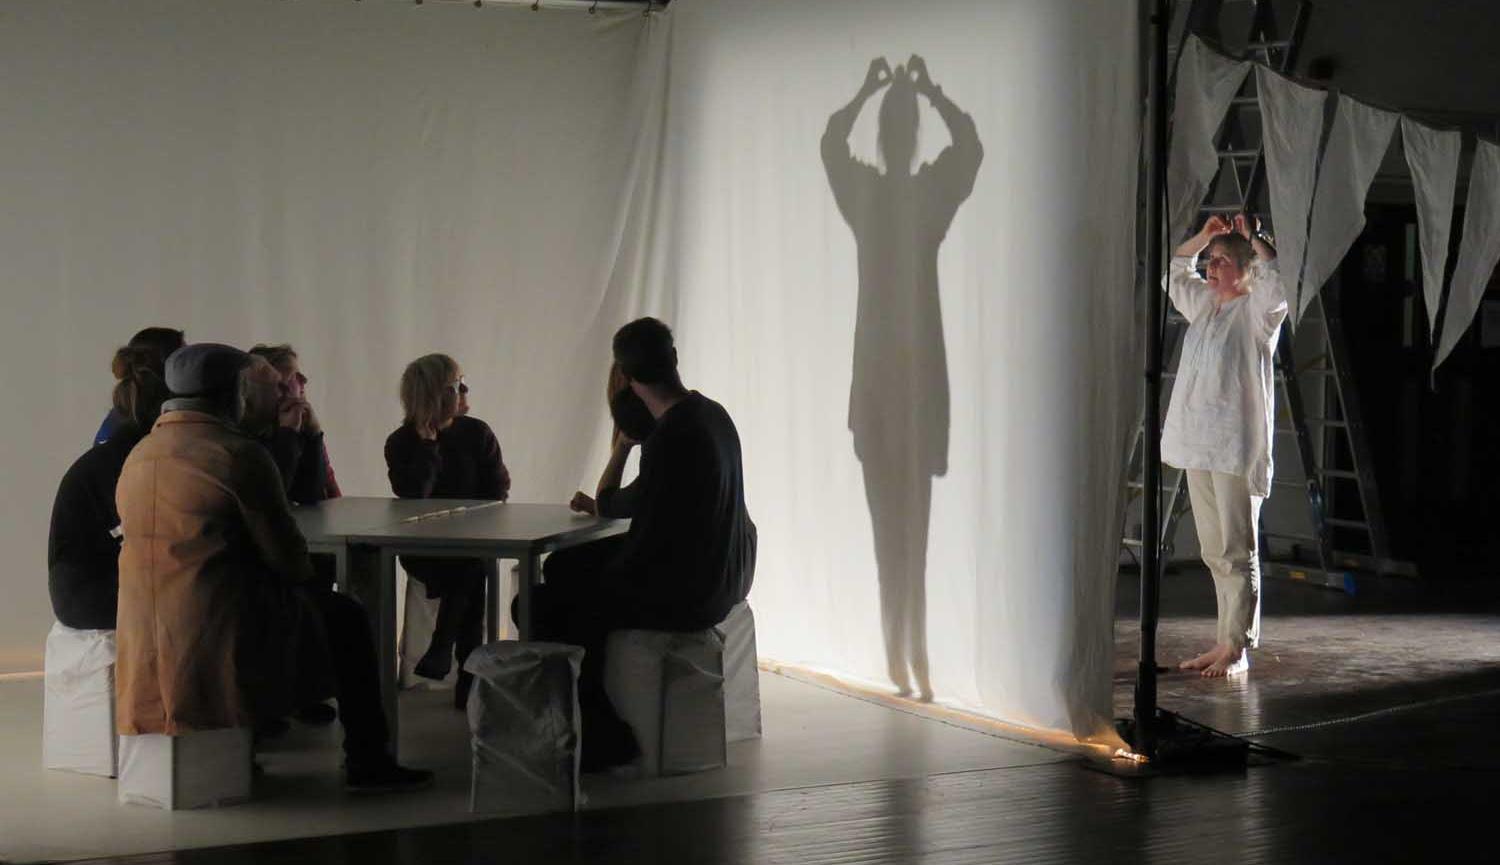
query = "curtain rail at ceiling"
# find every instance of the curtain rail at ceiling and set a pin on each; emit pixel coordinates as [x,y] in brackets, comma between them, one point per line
[644,6]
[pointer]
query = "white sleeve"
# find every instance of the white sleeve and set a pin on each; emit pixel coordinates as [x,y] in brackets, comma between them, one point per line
[1267,293]
[1188,291]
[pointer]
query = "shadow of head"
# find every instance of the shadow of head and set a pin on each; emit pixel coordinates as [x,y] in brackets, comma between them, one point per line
[898,118]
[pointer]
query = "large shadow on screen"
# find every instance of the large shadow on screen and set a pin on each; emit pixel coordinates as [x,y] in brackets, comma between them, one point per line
[898,400]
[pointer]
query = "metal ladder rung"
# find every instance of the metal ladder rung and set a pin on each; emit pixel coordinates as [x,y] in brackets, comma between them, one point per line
[1289,536]
[1222,208]
[1318,420]
[1343,474]
[1281,374]
[1239,155]
[1245,102]
[1268,44]
[1340,523]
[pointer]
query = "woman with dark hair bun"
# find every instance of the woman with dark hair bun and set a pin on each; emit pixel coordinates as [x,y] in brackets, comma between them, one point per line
[83,545]
[161,340]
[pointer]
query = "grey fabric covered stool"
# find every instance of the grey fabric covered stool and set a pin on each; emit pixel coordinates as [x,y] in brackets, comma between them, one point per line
[741,674]
[669,687]
[525,727]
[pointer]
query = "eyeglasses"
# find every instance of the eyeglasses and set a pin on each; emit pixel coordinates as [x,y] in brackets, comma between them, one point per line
[460,387]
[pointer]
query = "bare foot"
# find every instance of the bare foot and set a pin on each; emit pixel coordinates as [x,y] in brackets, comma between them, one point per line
[1202,660]
[1231,662]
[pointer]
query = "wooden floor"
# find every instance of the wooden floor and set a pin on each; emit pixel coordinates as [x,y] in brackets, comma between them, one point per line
[1307,812]
[1394,711]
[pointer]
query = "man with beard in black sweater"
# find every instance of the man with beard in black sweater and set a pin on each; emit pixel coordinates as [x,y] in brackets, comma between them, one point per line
[689,556]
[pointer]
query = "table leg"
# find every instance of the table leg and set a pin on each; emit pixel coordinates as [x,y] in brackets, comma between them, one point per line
[492,600]
[529,569]
[371,576]
[385,636]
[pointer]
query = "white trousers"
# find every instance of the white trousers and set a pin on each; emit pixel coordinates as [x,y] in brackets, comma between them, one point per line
[1226,516]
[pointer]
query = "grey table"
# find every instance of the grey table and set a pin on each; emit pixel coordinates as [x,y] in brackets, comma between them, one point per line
[368,535]
[328,525]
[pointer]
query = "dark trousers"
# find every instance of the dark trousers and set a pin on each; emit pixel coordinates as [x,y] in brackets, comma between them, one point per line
[352,659]
[578,607]
[459,586]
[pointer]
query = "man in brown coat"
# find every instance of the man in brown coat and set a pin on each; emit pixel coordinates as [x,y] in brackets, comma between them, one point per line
[214,576]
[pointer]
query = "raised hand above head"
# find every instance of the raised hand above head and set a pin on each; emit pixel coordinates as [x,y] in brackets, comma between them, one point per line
[878,76]
[916,67]
[1216,225]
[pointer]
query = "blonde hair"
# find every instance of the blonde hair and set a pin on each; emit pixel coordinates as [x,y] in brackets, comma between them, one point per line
[279,356]
[422,388]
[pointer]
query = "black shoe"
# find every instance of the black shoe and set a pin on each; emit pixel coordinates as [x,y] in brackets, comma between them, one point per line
[317,714]
[384,776]
[435,664]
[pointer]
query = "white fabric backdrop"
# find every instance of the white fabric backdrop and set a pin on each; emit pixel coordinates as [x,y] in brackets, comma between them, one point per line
[1432,157]
[1478,250]
[1206,84]
[1356,146]
[370,182]
[374,181]
[1034,351]
[1292,118]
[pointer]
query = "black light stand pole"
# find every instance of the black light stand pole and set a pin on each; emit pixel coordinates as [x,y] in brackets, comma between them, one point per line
[1156,141]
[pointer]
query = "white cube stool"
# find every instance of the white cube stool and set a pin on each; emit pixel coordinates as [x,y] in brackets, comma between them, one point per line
[669,687]
[202,769]
[741,674]
[525,727]
[78,705]
[418,618]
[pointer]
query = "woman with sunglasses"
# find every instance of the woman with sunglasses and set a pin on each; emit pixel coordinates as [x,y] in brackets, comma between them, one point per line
[441,452]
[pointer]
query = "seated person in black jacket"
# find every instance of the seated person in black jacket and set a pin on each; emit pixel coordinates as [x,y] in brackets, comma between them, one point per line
[689,556]
[298,449]
[441,452]
[83,546]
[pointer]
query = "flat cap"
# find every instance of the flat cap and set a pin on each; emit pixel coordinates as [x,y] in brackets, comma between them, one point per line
[204,369]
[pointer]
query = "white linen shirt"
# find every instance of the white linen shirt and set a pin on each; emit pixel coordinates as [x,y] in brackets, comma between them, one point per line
[1221,416]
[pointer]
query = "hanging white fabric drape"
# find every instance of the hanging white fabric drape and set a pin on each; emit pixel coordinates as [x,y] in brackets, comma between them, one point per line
[1206,84]
[1432,157]
[1356,146]
[1292,126]
[1478,251]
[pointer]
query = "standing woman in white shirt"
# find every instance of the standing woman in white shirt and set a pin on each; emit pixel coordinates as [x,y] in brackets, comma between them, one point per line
[1220,421]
